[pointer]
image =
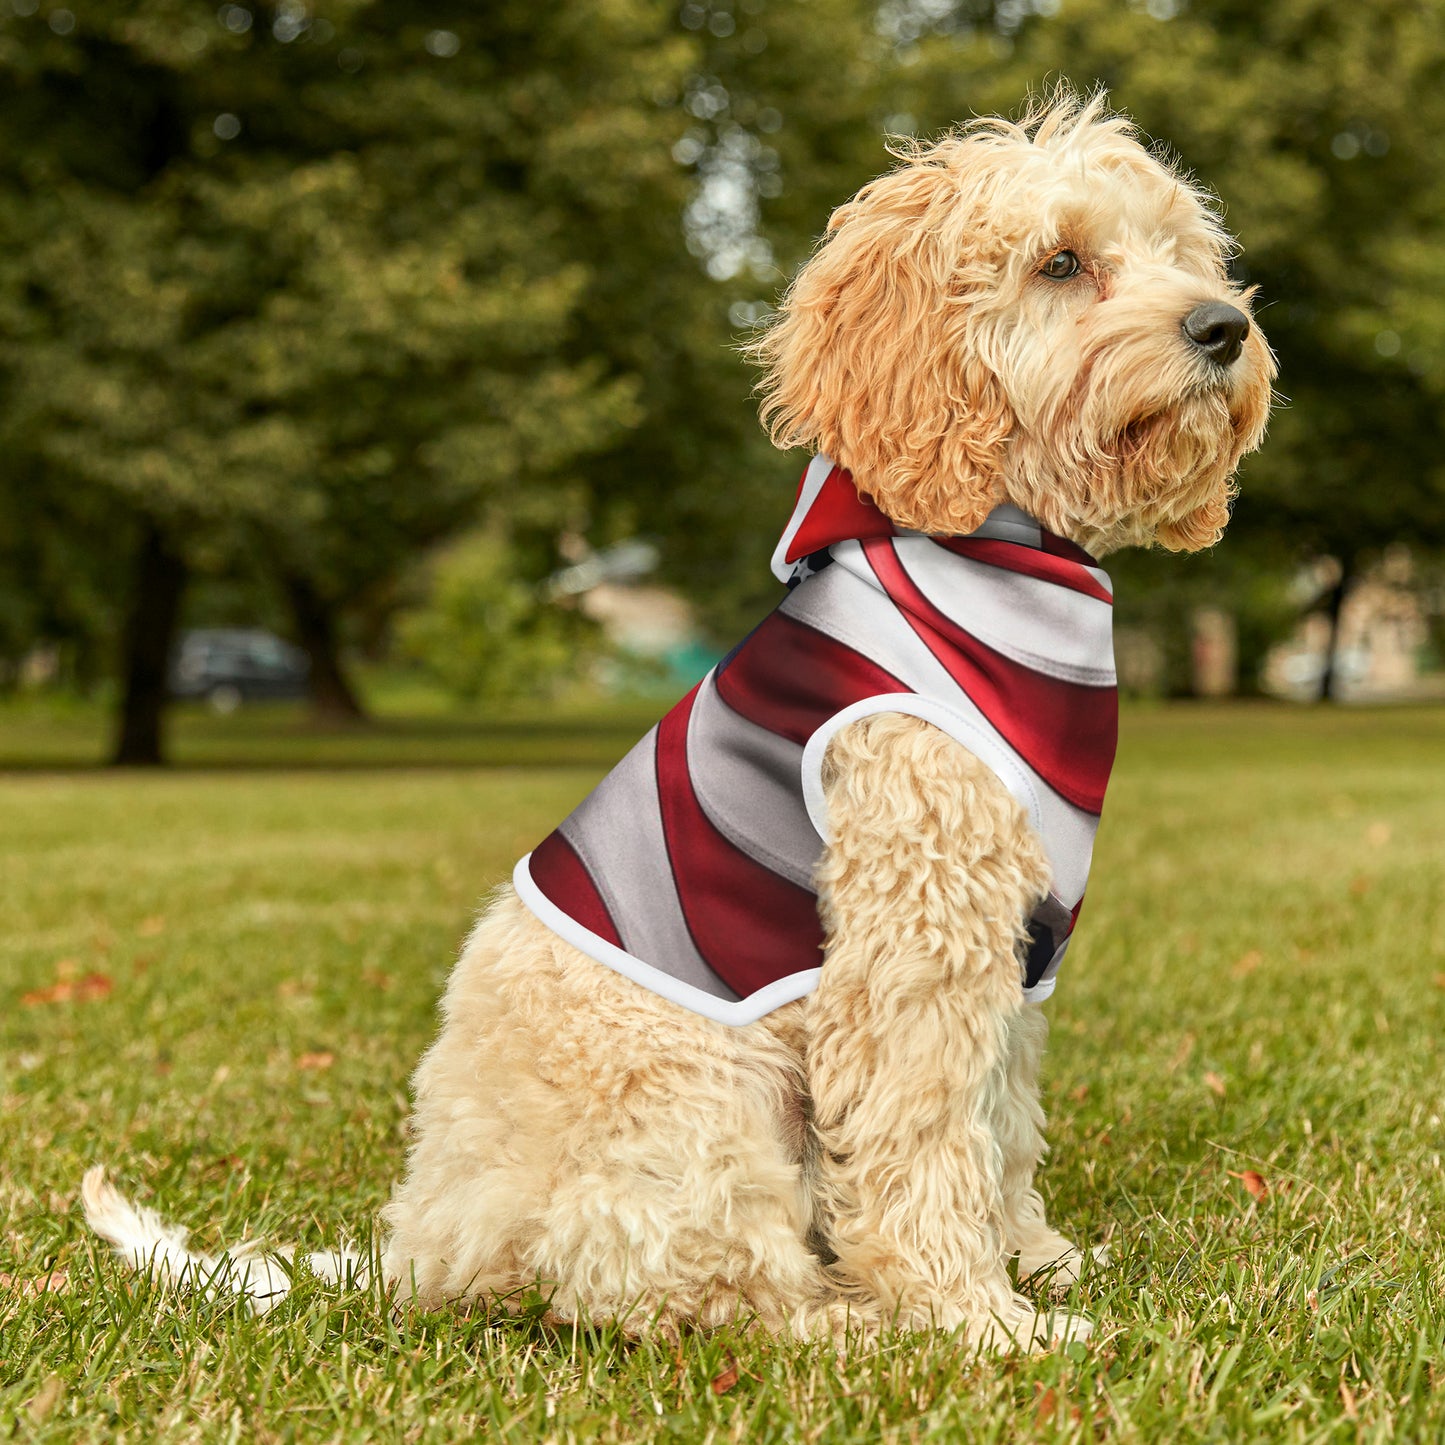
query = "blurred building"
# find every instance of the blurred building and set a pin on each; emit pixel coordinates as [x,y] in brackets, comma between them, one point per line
[655,637]
[1382,650]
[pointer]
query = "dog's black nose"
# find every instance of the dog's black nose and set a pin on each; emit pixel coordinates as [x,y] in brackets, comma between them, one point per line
[1217,330]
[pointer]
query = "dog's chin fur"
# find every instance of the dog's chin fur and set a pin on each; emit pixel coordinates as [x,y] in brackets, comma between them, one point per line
[863,1158]
[1165,477]
[1142,447]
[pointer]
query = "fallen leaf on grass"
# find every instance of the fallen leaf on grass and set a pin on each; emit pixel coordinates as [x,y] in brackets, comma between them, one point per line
[56,1282]
[1045,1409]
[1247,965]
[46,1398]
[1440,980]
[321,1059]
[724,1382]
[1254,1182]
[1214,1083]
[1347,1399]
[66,990]
[1181,1054]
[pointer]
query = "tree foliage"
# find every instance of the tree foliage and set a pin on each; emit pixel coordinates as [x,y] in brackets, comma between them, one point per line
[323,284]
[480,633]
[311,284]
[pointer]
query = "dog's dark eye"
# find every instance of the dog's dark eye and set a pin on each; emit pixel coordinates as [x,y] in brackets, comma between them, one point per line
[1060,266]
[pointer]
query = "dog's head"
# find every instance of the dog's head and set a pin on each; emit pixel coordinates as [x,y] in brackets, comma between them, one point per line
[1037,313]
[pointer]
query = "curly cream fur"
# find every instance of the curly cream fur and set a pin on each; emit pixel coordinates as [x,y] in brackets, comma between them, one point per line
[923,893]
[576,1134]
[867,1155]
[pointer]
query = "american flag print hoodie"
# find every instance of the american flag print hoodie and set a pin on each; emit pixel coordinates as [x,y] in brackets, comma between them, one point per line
[690,867]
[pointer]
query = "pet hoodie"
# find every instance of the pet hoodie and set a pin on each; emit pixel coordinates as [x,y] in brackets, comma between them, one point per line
[690,867]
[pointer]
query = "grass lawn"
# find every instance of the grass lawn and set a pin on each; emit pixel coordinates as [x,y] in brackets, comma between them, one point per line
[217,979]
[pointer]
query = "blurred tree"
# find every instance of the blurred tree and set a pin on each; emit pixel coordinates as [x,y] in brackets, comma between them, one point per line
[779,116]
[326,283]
[57,572]
[480,633]
[304,281]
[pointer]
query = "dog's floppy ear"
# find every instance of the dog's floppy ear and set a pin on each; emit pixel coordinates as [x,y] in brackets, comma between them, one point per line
[871,359]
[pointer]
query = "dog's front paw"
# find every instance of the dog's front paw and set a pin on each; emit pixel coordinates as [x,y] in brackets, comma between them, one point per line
[1057,1265]
[1023,1326]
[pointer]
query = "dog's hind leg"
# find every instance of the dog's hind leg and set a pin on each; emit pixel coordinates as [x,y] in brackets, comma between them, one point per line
[682,1196]
[577,1135]
[924,890]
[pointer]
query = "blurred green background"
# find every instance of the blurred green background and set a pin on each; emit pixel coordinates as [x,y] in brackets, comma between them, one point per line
[407,333]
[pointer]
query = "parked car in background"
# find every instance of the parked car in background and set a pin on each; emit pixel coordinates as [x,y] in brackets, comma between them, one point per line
[227,666]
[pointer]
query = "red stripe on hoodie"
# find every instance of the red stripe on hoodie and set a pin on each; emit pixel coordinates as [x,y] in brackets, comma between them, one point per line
[839,510]
[563,877]
[730,901]
[1012,557]
[791,678]
[1022,704]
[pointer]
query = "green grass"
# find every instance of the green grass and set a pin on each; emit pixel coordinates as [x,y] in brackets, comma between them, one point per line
[1257,985]
[412,728]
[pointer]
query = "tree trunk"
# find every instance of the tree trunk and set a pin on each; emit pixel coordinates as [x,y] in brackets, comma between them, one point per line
[150,630]
[1329,675]
[333,699]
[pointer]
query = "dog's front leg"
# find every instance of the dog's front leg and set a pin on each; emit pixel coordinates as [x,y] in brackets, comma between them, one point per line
[924,889]
[1019,1127]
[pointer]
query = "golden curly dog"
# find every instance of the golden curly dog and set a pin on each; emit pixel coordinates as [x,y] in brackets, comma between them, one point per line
[1034,313]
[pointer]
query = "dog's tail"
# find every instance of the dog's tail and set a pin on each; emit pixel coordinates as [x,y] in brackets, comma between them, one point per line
[147,1243]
